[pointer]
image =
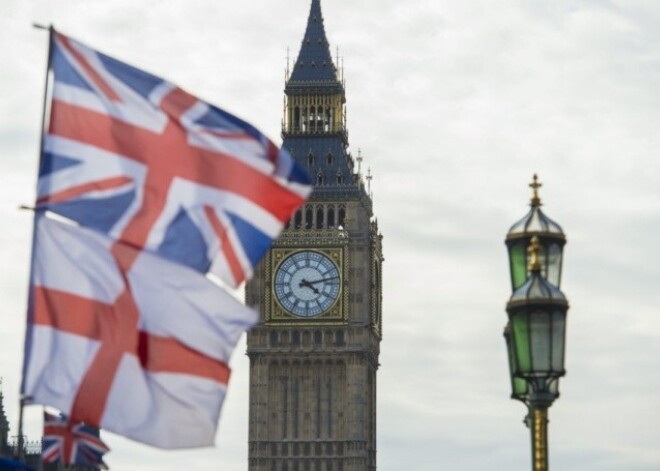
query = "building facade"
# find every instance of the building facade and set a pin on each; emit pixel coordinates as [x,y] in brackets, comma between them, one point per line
[314,354]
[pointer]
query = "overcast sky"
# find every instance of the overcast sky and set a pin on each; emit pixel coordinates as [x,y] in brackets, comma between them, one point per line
[455,104]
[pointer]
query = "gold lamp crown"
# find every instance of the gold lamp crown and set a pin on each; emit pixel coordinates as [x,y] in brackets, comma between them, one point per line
[534,251]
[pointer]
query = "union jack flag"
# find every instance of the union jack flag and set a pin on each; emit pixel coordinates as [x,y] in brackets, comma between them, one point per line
[132,155]
[72,443]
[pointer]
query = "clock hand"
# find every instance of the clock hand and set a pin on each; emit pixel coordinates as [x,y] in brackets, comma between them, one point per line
[306,284]
[323,279]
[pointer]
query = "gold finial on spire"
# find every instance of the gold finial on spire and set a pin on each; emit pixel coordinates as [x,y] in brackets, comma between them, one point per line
[535,185]
[286,78]
[534,255]
[369,177]
[359,161]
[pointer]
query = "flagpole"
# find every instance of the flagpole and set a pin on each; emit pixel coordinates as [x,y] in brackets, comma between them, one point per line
[22,398]
[51,31]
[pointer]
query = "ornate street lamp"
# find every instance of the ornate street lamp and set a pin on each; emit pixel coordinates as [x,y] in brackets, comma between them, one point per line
[551,238]
[536,332]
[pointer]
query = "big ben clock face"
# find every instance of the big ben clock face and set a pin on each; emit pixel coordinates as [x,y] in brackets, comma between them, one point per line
[307,283]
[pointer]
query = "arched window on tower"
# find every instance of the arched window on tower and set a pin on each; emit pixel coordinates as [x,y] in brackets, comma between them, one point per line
[331,217]
[319,118]
[328,119]
[303,120]
[312,119]
[330,158]
[342,216]
[297,221]
[340,179]
[309,218]
[296,119]
[319,178]
[310,159]
[319,217]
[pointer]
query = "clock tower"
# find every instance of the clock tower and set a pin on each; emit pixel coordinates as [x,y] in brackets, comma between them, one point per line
[314,354]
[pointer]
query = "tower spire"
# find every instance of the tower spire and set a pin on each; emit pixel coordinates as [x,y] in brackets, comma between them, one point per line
[314,125]
[314,62]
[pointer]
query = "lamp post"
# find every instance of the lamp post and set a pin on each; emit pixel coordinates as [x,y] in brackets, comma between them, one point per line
[536,332]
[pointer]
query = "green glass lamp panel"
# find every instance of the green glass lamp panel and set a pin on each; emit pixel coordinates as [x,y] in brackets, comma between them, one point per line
[518,260]
[554,264]
[540,338]
[518,385]
[521,344]
[543,259]
[558,340]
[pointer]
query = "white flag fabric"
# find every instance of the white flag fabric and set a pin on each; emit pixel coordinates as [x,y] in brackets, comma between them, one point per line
[127,341]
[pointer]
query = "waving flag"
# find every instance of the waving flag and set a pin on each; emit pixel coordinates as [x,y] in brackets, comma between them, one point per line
[72,443]
[134,156]
[127,340]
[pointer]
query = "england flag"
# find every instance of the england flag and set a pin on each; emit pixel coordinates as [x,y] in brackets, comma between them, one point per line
[126,340]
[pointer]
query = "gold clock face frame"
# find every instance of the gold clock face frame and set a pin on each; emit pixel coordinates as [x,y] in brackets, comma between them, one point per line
[307,284]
